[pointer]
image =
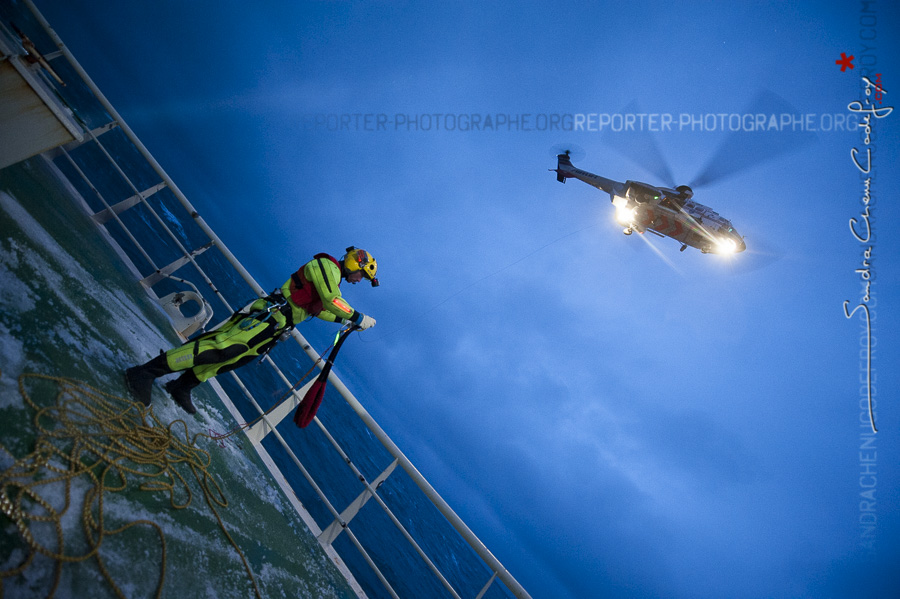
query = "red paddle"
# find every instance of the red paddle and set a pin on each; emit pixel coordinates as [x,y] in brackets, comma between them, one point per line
[307,409]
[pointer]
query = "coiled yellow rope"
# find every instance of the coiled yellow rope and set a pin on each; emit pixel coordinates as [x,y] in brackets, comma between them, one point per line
[102,439]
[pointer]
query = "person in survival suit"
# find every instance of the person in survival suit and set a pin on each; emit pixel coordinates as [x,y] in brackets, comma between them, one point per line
[314,290]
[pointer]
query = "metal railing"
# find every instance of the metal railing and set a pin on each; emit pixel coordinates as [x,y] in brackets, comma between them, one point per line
[268,421]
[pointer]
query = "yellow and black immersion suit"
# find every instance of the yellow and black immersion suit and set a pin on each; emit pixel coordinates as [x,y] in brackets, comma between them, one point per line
[314,290]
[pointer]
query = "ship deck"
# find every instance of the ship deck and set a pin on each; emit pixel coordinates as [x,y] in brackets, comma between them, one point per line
[101,498]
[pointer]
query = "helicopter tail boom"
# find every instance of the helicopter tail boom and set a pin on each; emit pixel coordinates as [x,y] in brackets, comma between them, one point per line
[565,170]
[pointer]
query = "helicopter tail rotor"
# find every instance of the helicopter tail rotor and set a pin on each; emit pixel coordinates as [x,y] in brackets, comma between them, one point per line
[564,154]
[562,163]
[572,151]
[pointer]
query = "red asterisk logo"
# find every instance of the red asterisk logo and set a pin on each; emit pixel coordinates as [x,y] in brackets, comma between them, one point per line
[845,61]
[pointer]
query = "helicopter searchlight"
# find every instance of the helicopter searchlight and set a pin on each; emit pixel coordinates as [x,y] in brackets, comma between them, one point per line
[624,214]
[726,245]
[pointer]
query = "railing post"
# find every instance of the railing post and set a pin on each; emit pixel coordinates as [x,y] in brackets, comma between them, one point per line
[331,533]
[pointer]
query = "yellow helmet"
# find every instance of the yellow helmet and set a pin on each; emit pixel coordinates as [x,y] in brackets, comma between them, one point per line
[356,259]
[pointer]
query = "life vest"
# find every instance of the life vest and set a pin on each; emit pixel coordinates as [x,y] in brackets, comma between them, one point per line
[303,293]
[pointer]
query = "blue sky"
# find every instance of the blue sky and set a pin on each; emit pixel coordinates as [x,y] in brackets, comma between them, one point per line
[612,417]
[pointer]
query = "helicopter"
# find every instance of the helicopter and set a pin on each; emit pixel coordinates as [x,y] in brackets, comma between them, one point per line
[662,211]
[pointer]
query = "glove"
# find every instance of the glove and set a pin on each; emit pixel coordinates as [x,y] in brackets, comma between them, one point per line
[366,322]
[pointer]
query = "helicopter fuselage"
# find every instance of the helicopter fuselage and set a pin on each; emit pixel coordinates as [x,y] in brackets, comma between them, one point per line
[663,211]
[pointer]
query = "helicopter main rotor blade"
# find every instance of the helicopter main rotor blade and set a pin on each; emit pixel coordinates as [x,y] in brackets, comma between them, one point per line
[742,150]
[639,146]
